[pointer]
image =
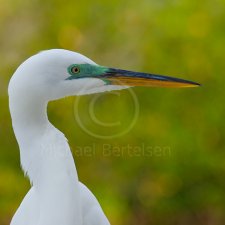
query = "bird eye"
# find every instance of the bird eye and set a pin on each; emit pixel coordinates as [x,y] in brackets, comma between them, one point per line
[75,69]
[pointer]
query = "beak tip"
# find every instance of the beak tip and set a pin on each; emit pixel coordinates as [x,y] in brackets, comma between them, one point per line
[197,85]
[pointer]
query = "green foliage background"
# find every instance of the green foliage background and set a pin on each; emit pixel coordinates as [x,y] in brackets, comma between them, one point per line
[184,185]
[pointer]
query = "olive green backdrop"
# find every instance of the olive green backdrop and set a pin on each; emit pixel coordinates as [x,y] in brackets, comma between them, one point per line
[169,168]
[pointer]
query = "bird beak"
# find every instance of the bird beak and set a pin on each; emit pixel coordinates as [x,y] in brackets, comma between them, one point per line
[129,78]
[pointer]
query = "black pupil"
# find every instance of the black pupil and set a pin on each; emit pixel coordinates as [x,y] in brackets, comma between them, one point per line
[75,70]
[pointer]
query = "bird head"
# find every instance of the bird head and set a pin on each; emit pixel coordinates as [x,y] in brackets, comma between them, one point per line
[58,73]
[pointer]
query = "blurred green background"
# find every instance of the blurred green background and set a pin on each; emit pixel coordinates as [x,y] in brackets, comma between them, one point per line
[181,179]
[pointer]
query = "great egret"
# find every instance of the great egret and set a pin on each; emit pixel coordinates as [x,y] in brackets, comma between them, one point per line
[56,196]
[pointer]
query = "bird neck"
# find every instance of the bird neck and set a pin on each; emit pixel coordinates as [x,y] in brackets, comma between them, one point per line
[41,145]
[29,117]
[47,160]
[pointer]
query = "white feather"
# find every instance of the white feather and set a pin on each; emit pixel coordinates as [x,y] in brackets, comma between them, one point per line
[56,196]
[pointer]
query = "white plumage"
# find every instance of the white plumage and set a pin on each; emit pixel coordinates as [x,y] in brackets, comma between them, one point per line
[56,196]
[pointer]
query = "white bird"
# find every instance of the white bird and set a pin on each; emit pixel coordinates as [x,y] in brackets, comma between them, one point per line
[56,196]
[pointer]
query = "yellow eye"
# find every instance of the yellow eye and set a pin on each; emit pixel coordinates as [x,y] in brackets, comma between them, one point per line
[75,69]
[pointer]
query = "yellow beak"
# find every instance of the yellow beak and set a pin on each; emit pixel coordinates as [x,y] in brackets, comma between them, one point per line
[130,78]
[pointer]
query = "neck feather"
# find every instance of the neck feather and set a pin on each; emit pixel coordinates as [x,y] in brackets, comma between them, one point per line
[47,160]
[43,149]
